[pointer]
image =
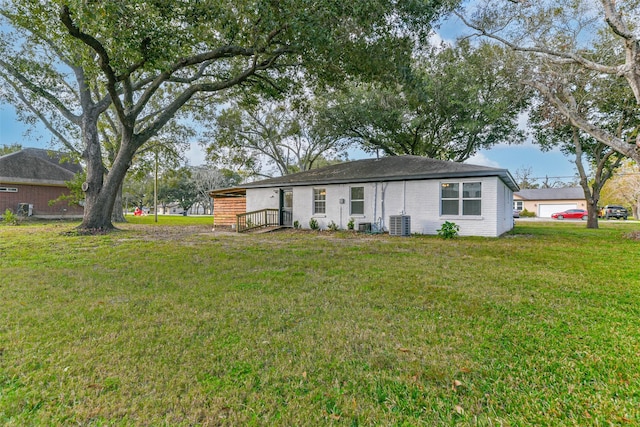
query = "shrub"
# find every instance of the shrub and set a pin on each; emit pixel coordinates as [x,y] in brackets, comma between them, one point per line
[351,224]
[296,224]
[333,226]
[449,230]
[313,224]
[526,214]
[10,218]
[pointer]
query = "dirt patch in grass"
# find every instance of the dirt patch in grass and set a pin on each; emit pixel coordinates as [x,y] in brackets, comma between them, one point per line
[168,232]
[634,235]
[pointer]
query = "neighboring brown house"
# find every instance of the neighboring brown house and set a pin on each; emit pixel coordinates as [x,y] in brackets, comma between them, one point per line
[31,178]
[545,201]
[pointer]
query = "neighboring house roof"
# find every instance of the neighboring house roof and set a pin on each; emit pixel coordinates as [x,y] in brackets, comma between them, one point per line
[36,166]
[567,193]
[393,168]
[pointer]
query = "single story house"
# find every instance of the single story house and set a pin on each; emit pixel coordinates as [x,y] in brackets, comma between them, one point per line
[411,193]
[545,201]
[31,178]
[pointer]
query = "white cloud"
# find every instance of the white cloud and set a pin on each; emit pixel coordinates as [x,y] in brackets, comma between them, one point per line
[481,159]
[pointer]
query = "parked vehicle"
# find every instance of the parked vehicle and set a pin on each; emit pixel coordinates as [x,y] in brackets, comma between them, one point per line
[516,213]
[614,211]
[572,214]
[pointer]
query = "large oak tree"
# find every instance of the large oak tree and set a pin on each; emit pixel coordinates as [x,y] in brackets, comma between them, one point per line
[452,102]
[71,60]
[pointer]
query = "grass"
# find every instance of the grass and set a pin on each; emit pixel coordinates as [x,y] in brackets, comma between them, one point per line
[171,324]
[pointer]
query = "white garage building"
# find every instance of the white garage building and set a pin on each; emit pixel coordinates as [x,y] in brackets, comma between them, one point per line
[546,201]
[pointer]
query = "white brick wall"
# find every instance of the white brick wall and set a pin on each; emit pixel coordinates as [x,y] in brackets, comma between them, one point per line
[419,199]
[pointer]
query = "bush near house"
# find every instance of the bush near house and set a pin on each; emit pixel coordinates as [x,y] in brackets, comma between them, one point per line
[527,214]
[171,324]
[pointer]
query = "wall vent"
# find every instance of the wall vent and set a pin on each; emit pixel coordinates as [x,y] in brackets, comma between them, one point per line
[364,227]
[400,225]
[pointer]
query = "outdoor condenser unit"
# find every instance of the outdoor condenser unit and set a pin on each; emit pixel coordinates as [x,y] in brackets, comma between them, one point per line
[25,209]
[400,225]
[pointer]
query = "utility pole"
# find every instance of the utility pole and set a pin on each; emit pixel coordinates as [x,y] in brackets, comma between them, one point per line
[155,189]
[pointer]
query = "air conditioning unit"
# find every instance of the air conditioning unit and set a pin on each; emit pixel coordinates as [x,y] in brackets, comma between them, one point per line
[400,225]
[25,209]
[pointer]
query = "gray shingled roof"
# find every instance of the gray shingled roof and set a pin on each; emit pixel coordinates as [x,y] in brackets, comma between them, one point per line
[567,193]
[36,166]
[394,168]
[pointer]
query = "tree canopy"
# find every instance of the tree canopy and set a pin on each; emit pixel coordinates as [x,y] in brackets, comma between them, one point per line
[273,138]
[452,102]
[68,61]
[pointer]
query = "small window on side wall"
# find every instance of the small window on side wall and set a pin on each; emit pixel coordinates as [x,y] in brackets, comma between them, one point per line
[357,200]
[450,198]
[467,202]
[319,201]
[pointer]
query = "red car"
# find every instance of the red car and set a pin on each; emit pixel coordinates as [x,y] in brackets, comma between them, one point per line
[572,214]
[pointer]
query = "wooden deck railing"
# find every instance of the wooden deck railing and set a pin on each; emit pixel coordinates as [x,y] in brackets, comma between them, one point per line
[257,219]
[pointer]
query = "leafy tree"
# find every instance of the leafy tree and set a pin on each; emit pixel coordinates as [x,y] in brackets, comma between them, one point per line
[604,101]
[453,102]
[624,187]
[8,149]
[72,60]
[289,138]
[598,38]
[138,192]
[164,151]
[179,187]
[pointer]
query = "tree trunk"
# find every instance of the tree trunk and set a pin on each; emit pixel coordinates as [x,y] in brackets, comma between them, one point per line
[592,208]
[101,190]
[118,212]
[97,213]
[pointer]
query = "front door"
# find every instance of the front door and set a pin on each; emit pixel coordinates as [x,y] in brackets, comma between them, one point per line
[286,207]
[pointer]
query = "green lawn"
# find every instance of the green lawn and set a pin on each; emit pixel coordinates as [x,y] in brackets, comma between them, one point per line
[171,324]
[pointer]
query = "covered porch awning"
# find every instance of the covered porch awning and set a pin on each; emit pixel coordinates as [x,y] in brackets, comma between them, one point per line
[228,192]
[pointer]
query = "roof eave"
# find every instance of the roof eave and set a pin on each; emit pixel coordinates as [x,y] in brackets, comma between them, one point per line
[28,181]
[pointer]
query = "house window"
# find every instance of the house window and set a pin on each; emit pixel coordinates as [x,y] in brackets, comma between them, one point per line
[319,201]
[357,200]
[457,198]
[518,205]
[8,190]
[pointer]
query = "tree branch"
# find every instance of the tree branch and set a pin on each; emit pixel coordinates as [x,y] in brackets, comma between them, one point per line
[103,58]
[577,120]
[13,72]
[567,57]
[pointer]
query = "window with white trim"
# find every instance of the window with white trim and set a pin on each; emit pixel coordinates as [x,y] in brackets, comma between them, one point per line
[8,190]
[319,201]
[461,198]
[357,200]
[518,205]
